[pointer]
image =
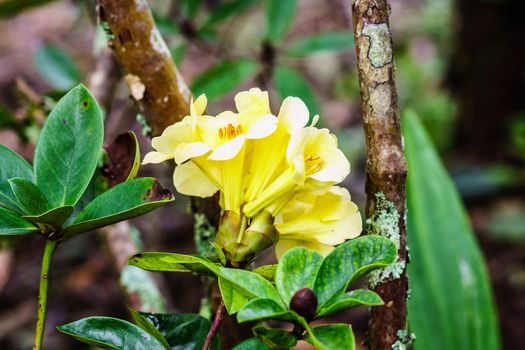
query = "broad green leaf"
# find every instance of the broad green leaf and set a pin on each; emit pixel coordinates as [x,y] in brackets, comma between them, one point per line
[251,344]
[183,331]
[111,333]
[334,41]
[124,201]
[289,82]
[349,261]
[57,67]
[267,271]
[331,337]
[123,159]
[31,199]
[148,326]
[448,276]
[190,8]
[296,270]
[12,224]
[279,17]
[223,77]
[172,262]
[265,309]
[275,338]
[8,198]
[358,297]
[227,9]
[234,299]
[53,217]
[67,151]
[13,165]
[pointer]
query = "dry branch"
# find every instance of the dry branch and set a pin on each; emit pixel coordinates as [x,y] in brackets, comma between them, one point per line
[386,168]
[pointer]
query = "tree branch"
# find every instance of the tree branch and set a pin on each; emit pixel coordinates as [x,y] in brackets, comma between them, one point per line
[386,168]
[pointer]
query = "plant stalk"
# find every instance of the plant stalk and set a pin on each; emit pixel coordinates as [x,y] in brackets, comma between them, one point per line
[49,251]
[219,316]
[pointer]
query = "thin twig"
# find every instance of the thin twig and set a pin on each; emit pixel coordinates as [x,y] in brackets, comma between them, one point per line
[219,316]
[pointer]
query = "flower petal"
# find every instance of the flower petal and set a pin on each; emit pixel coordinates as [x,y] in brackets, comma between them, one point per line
[228,150]
[198,106]
[186,151]
[155,157]
[264,127]
[283,245]
[190,180]
[293,115]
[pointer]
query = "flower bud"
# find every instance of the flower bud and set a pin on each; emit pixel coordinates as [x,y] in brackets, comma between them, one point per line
[304,302]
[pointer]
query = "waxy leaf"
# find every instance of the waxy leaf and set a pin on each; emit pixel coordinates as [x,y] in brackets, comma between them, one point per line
[123,159]
[124,201]
[350,261]
[54,217]
[182,331]
[251,344]
[67,151]
[8,198]
[267,271]
[349,300]
[334,41]
[296,270]
[30,198]
[12,224]
[275,338]
[234,298]
[451,291]
[279,18]
[172,262]
[331,337]
[111,333]
[265,309]
[13,165]
[148,326]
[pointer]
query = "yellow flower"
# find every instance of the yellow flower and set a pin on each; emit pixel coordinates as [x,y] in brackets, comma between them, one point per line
[317,220]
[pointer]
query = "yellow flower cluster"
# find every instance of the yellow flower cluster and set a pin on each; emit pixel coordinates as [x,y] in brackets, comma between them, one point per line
[268,169]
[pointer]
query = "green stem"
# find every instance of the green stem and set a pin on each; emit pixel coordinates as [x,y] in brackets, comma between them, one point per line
[49,250]
[244,223]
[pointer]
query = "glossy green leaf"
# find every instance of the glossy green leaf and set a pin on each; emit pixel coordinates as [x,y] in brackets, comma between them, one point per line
[251,344]
[172,262]
[349,261]
[289,82]
[332,337]
[53,217]
[297,269]
[267,271]
[279,18]
[12,224]
[448,276]
[234,299]
[275,338]
[123,159]
[57,67]
[111,333]
[222,78]
[31,199]
[8,199]
[67,151]
[226,10]
[124,201]
[183,331]
[334,41]
[13,165]
[144,323]
[358,297]
[265,309]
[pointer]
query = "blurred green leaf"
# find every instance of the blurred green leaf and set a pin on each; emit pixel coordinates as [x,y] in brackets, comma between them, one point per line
[190,8]
[178,52]
[508,224]
[448,276]
[57,67]
[227,9]
[267,271]
[331,337]
[9,8]
[12,224]
[289,82]
[251,344]
[32,200]
[275,338]
[223,77]
[279,17]
[349,300]
[334,41]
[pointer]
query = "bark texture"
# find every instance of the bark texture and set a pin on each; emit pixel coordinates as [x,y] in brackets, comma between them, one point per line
[156,86]
[385,168]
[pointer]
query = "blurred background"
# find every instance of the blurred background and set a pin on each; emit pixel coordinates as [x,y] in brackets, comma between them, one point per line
[460,67]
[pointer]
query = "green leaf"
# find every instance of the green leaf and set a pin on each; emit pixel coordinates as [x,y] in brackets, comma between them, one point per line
[267,271]
[190,8]
[172,262]
[226,10]
[275,338]
[57,67]
[148,326]
[251,344]
[111,333]
[331,337]
[9,8]
[222,78]
[279,17]
[178,52]
[183,331]
[123,159]
[53,217]
[358,297]
[31,199]
[350,261]
[289,82]
[233,298]
[13,165]
[297,269]
[334,41]
[8,199]
[265,309]
[448,276]
[67,151]
[12,224]
[124,201]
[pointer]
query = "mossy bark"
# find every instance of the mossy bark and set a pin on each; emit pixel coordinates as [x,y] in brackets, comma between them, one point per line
[386,168]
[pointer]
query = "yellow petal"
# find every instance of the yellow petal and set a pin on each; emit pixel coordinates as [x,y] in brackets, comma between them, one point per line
[190,180]
[264,127]
[155,157]
[185,151]
[198,106]
[228,150]
[293,115]
[283,245]
[253,101]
